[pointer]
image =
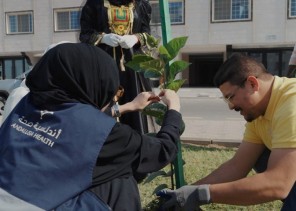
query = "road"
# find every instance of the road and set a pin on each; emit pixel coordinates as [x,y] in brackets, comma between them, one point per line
[207,108]
[209,119]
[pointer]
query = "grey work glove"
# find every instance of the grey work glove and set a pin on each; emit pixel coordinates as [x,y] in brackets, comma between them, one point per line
[111,39]
[128,41]
[186,198]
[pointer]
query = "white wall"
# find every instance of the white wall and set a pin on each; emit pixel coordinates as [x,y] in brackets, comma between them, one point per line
[44,34]
[269,26]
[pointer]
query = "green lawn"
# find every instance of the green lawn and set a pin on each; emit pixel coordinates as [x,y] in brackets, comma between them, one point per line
[199,161]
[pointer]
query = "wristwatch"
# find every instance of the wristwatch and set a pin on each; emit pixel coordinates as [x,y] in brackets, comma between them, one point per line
[115,108]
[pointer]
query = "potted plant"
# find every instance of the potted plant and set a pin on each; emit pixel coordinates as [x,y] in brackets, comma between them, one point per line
[157,62]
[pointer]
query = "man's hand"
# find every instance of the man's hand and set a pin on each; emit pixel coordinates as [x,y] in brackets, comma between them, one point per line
[188,197]
[111,39]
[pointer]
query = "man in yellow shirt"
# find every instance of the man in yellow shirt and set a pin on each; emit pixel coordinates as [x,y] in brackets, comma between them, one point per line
[268,104]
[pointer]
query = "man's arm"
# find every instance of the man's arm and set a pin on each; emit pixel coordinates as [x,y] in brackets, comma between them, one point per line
[237,167]
[273,184]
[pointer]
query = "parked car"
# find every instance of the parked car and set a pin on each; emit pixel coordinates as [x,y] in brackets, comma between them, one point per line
[7,85]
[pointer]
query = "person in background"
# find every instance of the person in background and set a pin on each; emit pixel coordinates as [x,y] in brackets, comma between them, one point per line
[267,103]
[119,27]
[59,150]
[292,64]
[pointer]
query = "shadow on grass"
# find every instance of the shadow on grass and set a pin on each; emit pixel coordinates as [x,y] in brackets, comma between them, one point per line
[210,148]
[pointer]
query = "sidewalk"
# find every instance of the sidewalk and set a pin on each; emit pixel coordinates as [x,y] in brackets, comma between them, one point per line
[204,132]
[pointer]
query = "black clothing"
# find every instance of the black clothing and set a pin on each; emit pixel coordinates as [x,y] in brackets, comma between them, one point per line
[125,150]
[94,20]
[83,73]
[64,74]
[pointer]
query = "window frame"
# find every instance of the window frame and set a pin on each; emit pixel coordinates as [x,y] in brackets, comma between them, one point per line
[69,10]
[290,10]
[12,72]
[18,13]
[250,13]
[172,23]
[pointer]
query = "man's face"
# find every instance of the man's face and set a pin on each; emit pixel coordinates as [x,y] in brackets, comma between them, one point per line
[243,99]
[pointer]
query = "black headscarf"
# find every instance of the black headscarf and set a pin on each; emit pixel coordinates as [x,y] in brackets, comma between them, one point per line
[73,72]
[120,2]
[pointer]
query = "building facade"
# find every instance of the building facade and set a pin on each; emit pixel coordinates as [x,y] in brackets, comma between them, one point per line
[264,29]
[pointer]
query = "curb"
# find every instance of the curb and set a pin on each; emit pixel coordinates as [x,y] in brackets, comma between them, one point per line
[220,142]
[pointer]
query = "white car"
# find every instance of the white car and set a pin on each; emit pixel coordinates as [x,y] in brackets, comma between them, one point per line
[7,85]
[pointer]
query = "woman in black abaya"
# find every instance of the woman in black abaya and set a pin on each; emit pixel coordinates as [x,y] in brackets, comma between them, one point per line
[118,27]
[62,144]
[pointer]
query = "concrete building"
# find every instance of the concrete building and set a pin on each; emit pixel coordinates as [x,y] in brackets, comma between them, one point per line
[264,29]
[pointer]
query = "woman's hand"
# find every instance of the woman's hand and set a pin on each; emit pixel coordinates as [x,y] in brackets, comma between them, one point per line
[171,99]
[142,100]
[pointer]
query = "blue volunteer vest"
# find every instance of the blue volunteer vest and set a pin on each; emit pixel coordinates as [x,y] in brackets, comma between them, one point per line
[47,157]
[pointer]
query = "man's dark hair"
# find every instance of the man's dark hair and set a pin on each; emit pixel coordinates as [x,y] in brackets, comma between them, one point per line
[236,69]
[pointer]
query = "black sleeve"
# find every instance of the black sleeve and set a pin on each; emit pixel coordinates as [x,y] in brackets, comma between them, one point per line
[142,17]
[157,152]
[146,16]
[126,150]
[93,20]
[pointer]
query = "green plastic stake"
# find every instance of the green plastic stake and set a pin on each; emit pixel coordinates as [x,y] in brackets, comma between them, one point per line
[166,37]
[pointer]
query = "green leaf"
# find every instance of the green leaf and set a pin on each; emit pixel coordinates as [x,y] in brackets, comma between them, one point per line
[159,120]
[152,74]
[175,68]
[164,54]
[153,175]
[152,65]
[160,187]
[142,58]
[156,110]
[151,41]
[182,127]
[174,46]
[169,173]
[175,85]
[136,62]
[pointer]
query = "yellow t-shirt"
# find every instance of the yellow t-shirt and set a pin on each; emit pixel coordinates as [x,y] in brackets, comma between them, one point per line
[277,128]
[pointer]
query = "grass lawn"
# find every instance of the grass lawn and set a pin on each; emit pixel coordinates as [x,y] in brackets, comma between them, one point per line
[199,161]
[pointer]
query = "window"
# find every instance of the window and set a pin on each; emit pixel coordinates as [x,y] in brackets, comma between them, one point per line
[67,19]
[19,22]
[275,59]
[12,66]
[176,8]
[292,9]
[231,10]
